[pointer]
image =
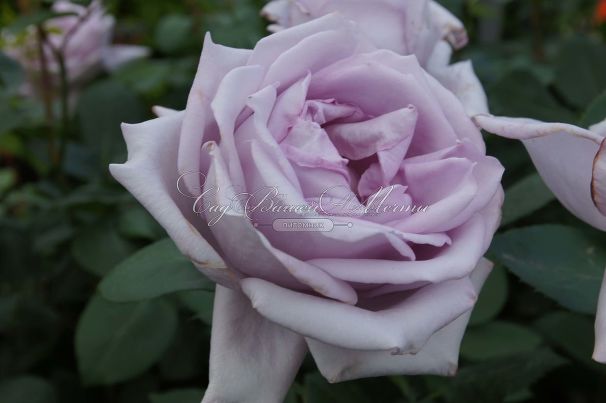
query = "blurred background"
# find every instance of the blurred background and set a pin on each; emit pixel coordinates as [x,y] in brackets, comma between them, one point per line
[65,225]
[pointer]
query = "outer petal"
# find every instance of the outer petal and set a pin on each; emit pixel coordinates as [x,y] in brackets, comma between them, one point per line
[527,129]
[599,128]
[599,353]
[161,111]
[459,78]
[451,27]
[150,174]
[431,307]
[285,13]
[565,156]
[598,181]
[251,359]
[439,356]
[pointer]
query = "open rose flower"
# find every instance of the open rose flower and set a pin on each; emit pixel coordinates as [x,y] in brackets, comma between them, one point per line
[83,36]
[572,162]
[317,114]
[422,28]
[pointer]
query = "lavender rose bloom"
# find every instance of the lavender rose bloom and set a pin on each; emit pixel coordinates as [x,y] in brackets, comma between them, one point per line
[84,37]
[345,137]
[422,28]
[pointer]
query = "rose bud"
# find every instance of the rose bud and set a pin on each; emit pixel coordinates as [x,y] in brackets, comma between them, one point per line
[341,132]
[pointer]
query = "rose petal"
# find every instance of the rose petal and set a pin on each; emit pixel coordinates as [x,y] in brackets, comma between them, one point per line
[161,111]
[288,108]
[229,102]
[432,307]
[447,186]
[460,79]
[565,156]
[599,128]
[310,55]
[361,140]
[248,351]
[449,213]
[317,280]
[272,47]
[598,181]
[526,129]
[394,90]
[150,174]
[198,126]
[599,353]
[455,261]
[264,174]
[452,28]
[285,13]
[238,238]
[439,356]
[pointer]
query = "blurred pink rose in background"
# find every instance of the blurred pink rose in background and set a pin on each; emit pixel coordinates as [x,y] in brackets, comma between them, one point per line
[83,37]
[316,111]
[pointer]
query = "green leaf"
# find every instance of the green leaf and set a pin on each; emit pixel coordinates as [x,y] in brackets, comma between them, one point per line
[147,77]
[493,380]
[99,248]
[295,393]
[173,33]
[155,270]
[47,242]
[8,307]
[596,112]
[116,342]
[497,339]
[524,198]
[79,161]
[580,68]
[187,356]
[8,178]
[492,297]
[571,333]
[522,396]
[101,109]
[200,302]
[178,396]
[564,263]
[136,222]
[34,333]
[27,389]
[11,115]
[11,73]
[237,24]
[520,93]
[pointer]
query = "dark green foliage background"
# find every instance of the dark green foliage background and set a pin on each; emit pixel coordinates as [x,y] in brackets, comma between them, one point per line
[96,305]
